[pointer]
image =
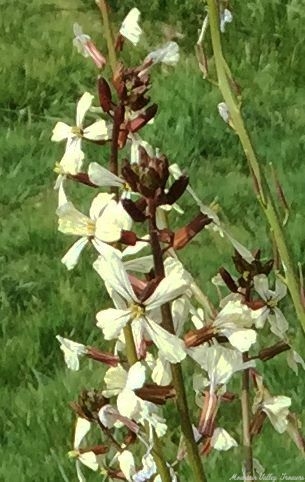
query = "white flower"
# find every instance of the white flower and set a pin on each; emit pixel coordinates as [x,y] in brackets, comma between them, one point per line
[293,359]
[105,224]
[102,177]
[72,351]
[219,362]
[276,409]
[278,322]
[88,459]
[234,322]
[86,47]
[216,225]
[130,309]
[80,40]
[123,384]
[130,28]
[71,162]
[225,17]
[168,54]
[127,466]
[222,440]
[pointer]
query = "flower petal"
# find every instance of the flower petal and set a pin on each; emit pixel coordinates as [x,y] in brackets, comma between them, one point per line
[102,177]
[71,257]
[222,440]
[83,106]
[114,275]
[261,286]
[82,427]
[99,203]
[136,376]
[98,131]
[168,289]
[72,221]
[130,28]
[170,346]
[61,132]
[112,321]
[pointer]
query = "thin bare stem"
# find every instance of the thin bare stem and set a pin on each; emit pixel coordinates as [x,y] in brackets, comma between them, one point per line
[245,410]
[102,5]
[225,85]
[178,382]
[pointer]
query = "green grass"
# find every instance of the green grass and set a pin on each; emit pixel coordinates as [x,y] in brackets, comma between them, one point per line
[41,78]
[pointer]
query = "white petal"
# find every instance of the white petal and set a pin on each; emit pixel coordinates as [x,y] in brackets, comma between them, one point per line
[79,472]
[72,221]
[114,275]
[129,405]
[98,131]
[168,289]
[102,177]
[168,54]
[161,373]
[140,265]
[62,198]
[130,28]
[293,358]
[127,464]
[115,380]
[89,459]
[112,321]
[108,228]
[261,286]
[170,346]
[83,106]
[99,203]
[280,289]
[222,440]
[72,351]
[71,257]
[278,323]
[82,427]
[277,410]
[72,160]
[242,339]
[136,376]
[61,131]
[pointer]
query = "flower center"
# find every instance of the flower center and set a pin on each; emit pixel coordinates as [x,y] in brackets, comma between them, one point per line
[272,303]
[77,131]
[58,168]
[90,228]
[136,311]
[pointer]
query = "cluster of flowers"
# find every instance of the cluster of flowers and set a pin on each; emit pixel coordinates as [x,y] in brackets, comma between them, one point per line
[127,408]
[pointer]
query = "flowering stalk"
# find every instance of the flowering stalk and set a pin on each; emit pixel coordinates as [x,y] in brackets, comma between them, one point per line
[262,189]
[178,382]
[102,5]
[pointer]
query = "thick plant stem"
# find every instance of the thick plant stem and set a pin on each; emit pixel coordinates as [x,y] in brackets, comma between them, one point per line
[245,410]
[263,191]
[102,5]
[178,382]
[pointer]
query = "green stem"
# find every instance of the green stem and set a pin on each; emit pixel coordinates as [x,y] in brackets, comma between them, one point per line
[102,5]
[260,182]
[178,382]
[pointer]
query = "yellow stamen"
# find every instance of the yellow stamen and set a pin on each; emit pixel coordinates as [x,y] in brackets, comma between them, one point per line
[77,131]
[58,169]
[91,228]
[137,311]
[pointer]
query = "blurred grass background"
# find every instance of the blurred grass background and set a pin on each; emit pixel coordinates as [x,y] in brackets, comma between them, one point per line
[41,79]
